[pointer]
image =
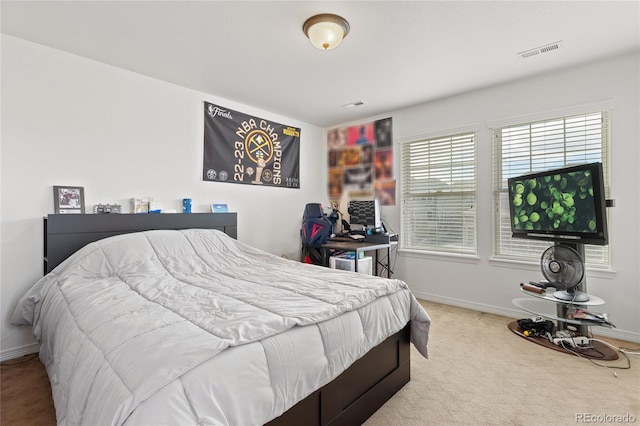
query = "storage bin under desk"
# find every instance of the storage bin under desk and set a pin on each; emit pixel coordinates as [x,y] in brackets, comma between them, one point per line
[365,264]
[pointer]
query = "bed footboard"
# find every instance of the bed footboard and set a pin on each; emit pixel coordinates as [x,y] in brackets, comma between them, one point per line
[359,391]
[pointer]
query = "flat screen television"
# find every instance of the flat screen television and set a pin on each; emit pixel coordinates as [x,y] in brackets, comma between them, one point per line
[566,204]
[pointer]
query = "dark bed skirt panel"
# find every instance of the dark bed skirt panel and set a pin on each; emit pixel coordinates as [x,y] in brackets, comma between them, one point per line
[357,393]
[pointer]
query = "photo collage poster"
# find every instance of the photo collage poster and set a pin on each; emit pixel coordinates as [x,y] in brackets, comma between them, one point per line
[361,163]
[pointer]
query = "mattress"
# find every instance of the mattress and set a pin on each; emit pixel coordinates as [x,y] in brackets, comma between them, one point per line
[194,327]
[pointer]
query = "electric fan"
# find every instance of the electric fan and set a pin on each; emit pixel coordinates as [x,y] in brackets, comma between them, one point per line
[562,266]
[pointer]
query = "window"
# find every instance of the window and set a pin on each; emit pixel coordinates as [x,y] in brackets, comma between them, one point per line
[438,211]
[543,145]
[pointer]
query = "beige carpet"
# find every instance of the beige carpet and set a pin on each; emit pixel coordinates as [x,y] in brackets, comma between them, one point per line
[478,373]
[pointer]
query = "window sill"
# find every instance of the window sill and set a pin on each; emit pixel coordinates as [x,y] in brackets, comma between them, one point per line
[435,255]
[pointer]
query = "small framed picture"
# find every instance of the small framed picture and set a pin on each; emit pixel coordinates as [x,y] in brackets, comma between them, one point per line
[219,208]
[68,199]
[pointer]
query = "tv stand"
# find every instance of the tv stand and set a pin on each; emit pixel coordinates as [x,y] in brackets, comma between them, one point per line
[560,311]
[538,305]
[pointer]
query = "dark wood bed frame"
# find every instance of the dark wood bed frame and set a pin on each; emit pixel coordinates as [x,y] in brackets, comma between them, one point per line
[349,399]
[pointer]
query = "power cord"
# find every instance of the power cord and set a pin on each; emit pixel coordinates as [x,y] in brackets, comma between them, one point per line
[575,294]
[568,334]
[393,254]
[629,351]
[608,367]
[623,351]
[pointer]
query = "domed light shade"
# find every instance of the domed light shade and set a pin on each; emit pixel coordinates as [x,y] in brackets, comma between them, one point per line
[326,31]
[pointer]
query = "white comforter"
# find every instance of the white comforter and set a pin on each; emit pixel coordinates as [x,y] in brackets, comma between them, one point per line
[194,327]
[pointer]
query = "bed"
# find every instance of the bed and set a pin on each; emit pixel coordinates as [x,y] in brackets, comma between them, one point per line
[168,319]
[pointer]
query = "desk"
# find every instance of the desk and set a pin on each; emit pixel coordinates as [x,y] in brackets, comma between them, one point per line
[359,247]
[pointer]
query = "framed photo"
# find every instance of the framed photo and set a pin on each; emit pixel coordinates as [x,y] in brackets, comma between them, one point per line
[219,208]
[68,199]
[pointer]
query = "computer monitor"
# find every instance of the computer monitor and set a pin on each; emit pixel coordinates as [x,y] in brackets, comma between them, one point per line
[365,213]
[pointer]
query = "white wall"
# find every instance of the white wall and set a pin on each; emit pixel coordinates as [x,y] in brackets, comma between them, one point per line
[72,121]
[67,120]
[490,286]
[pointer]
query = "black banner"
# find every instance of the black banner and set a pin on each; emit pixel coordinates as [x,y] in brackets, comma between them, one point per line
[240,148]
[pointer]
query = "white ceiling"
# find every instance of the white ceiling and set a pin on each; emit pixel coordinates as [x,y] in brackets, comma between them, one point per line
[398,53]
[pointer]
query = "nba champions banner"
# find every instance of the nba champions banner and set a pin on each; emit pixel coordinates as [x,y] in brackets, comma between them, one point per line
[240,148]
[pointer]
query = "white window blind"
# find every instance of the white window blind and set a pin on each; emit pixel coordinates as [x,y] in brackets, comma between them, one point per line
[538,146]
[439,194]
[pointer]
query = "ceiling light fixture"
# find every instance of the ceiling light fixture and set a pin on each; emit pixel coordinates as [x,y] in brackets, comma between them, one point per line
[326,31]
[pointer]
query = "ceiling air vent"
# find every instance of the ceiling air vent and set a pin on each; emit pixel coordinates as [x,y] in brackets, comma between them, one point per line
[542,49]
[354,104]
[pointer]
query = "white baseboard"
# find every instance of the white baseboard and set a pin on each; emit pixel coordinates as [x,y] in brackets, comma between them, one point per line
[615,333]
[627,336]
[12,353]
